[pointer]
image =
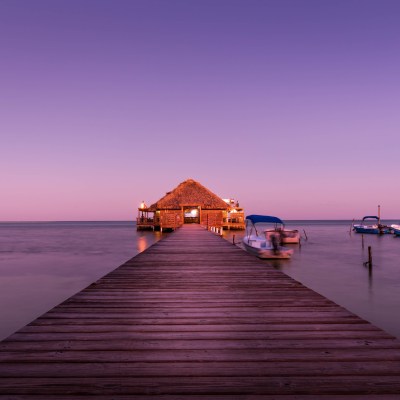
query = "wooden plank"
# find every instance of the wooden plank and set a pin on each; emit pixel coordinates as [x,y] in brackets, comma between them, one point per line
[93,342]
[190,369]
[221,320]
[345,385]
[72,352]
[82,328]
[207,397]
[201,335]
[194,317]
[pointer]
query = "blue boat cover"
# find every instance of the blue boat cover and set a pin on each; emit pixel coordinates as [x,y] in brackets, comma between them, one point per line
[264,218]
[371,217]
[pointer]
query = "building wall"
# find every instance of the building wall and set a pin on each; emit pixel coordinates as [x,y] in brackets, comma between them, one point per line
[212,217]
[172,219]
[169,219]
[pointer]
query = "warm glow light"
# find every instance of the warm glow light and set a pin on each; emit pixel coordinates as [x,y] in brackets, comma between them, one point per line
[229,201]
[143,205]
[141,245]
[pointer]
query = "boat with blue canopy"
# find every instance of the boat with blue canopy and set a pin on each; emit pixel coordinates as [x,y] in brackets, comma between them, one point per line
[371,228]
[268,245]
[285,235]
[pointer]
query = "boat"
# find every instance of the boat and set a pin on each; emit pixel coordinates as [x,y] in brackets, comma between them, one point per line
[268,247]
[364,227]
[371,228]
[285,235]
[395,229]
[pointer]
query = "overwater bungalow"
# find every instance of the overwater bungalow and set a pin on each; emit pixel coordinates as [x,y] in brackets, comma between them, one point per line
[190,203]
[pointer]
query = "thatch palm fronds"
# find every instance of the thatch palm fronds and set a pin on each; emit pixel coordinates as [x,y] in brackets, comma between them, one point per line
[190,192]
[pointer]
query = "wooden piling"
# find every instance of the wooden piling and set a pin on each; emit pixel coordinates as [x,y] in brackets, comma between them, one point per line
[369,257]
[351,227]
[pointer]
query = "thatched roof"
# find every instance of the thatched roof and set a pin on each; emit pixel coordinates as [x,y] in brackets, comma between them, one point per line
[190,193]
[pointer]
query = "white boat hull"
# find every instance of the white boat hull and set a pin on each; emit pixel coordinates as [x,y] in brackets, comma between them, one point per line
[263,249]
[396,229]
[286,235]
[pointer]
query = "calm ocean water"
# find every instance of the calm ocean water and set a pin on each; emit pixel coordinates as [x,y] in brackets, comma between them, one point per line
[42,264]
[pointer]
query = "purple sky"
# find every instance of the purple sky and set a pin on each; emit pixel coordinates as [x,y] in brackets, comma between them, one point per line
[291,107]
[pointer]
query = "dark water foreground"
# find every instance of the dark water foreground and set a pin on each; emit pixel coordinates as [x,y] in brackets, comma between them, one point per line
[42,264]
[331,262]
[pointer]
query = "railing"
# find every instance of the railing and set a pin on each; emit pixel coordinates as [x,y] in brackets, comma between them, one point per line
[145,221]
[236,222]
[218,230]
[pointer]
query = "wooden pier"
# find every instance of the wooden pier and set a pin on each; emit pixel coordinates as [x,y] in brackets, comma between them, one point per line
[195,317]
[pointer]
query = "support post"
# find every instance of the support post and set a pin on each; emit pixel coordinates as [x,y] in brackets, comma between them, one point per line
[369,257]
[379,215]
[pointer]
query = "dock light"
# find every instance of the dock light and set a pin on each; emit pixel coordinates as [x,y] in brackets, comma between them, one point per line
[143,205]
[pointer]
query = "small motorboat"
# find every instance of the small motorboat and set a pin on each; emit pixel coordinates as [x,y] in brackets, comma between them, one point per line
[290,236]
[371,228]
[268,246]
[365,227]
[285,235]
[395,229]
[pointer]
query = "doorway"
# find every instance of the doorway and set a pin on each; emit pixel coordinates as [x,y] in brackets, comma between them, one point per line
[191,215]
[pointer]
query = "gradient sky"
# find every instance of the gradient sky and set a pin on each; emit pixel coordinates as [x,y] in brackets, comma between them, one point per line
[289,106]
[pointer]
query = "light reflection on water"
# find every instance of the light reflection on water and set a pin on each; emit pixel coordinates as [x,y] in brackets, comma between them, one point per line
[331,262]
[42,264]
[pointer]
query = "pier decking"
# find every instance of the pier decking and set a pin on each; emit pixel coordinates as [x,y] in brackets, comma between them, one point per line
[194,317]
